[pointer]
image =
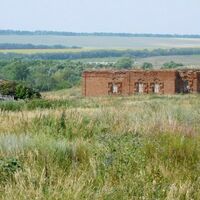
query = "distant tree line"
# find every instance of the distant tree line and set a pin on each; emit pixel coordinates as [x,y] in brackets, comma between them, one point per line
[46,75]
[32,46]
[103,54]
[167,65]
[62,33]
[42,75]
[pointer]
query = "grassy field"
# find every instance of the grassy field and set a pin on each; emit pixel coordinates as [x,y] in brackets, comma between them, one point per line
[69,147]
[90,43]
[104,42]
[192,61]
[40,51]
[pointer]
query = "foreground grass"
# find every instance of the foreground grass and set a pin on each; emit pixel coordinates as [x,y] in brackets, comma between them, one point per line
[139,147]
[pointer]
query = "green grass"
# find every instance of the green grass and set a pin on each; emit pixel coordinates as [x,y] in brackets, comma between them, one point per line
[38,51]
[192,61]
[137,147]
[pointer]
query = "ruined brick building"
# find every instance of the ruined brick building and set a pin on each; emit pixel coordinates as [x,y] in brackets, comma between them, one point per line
[128,82]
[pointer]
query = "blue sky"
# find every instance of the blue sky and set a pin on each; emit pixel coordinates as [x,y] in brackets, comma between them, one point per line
[134,16]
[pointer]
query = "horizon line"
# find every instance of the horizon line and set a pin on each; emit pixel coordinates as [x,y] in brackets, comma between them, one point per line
[101,33]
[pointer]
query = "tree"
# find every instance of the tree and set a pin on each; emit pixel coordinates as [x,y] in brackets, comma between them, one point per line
[16,70]
[171,65]
[21,72]
[124,63]
[147,65]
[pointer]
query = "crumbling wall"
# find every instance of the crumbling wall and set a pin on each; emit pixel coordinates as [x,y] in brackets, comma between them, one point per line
[101,83]
[188,81]
[198,81]
[165,80]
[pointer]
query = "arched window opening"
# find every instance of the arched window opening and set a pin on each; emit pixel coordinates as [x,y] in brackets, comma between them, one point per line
[115,88]
[141,87]
[186,86]
[156,88]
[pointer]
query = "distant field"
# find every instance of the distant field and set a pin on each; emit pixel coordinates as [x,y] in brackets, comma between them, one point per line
[90,43]
[157,61]
[104,42]
[35,51]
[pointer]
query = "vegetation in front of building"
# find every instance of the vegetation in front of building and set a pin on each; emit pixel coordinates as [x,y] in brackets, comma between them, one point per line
[92,149]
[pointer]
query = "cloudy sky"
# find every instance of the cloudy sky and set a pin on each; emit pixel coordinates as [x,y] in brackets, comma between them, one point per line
[134,16]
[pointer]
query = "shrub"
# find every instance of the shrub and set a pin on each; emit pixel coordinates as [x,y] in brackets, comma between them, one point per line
[18,90]
[23,92]
[147,65]
[7,88]
[171,65]
[124,63]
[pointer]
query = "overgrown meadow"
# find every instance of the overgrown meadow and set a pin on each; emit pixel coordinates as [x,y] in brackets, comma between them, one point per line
[69,147]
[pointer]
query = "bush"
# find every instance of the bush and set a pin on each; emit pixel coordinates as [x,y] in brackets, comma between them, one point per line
[18,90]
[147,65]
[23,92]
[7,88]
[124,63]
[171,65]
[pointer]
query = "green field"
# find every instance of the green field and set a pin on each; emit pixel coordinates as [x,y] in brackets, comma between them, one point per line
[104,42]
[92,43]
[157,61]
[192,61]
[40,51]
[69,147]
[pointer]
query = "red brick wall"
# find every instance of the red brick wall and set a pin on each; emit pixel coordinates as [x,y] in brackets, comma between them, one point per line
[192,76]
[198,81]
[165,78]
[97,83]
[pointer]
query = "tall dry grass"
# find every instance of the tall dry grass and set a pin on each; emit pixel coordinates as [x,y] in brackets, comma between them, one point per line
[139,147]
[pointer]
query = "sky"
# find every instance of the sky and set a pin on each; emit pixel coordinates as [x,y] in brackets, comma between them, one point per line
[131,16]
